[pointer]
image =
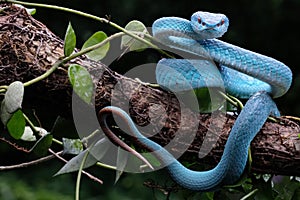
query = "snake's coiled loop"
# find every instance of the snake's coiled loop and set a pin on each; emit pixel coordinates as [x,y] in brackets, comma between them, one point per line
[275,77]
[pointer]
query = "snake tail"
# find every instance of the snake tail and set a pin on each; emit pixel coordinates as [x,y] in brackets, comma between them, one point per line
[234,159]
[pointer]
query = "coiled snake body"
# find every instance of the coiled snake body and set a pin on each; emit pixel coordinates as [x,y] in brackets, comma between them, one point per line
[195,36]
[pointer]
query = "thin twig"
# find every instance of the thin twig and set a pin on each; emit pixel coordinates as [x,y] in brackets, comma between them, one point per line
[19,148]
[26,164]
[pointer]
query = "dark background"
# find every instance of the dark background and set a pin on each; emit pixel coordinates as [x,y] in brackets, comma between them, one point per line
[269,27]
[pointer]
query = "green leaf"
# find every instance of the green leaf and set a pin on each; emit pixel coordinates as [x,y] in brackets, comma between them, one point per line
[72,146]
[70,41]
[96,153]
[14,96]
[82,82]
[136,27]
[42,145]
[100,52]
[122,159]
[16,125]
[31,11]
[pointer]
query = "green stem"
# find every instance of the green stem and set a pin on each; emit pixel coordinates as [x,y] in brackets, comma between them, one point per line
[102,20]
[292,118]
[87,138]
[57,141]
[249,159]
[45,75]
[30,123]
[72,56]
[79,175]
[238,102]
[3,87]
[57,8]
[230,100]
[91,48]
[106,166]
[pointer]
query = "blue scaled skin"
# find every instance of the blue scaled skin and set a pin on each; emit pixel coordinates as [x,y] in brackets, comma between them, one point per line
[244,72]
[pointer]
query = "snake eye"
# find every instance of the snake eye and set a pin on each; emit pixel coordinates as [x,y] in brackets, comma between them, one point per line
[199,20]
[222,21]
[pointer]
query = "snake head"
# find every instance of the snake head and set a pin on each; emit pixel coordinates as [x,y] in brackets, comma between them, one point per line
[209,25]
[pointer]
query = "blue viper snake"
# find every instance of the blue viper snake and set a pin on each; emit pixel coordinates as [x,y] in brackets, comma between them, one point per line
[271,79]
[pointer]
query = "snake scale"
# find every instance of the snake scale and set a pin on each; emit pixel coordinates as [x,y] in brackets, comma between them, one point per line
[269,78]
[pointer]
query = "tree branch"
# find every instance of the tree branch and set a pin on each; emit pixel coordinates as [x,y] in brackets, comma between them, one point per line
[28,49]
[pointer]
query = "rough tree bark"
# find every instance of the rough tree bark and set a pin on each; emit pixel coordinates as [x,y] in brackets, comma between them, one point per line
[28,49]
